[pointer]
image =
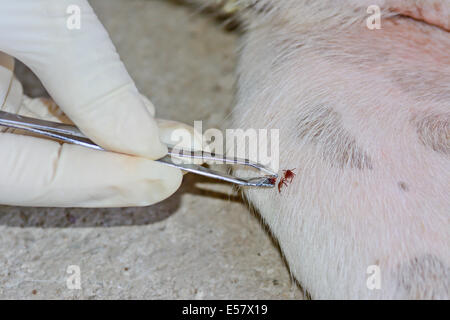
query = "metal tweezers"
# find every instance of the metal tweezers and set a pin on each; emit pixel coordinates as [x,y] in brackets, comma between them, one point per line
[71,134]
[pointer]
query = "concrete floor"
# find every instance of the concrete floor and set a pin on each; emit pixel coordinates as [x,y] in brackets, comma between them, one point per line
[203,242]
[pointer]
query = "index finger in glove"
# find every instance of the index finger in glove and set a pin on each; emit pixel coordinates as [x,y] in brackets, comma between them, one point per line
[82,71]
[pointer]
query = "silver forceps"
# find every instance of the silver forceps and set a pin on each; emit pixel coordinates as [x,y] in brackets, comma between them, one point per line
[71,134]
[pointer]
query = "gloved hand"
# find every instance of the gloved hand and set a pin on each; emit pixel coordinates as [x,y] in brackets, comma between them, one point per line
[83,73]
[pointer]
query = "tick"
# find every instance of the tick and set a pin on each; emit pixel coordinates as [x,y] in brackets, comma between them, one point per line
[287,178]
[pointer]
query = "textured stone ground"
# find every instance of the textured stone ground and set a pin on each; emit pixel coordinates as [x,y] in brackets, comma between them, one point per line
[201,243]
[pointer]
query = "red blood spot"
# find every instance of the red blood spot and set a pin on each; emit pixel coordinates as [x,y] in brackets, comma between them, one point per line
[287,178]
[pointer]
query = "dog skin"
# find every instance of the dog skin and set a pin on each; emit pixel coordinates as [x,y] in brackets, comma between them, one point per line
[364,116]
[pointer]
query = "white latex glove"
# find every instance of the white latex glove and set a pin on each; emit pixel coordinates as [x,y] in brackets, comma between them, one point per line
[83,73]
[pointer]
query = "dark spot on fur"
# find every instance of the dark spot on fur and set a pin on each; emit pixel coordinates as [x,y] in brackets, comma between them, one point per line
[324,128]
[424,277]
[434,132]
[402,185]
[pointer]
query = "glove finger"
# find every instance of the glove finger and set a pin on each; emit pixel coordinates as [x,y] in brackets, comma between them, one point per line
[6,80]
[148,105]
[82,72]
[180,136]
[46,109]
[39,172]
[172,133]
[43,108]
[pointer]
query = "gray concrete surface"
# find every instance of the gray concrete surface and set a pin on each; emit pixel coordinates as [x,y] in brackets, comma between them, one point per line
[201,243]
